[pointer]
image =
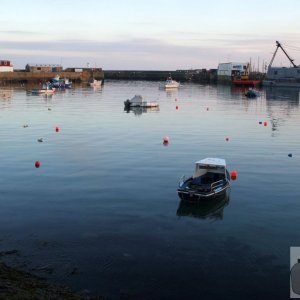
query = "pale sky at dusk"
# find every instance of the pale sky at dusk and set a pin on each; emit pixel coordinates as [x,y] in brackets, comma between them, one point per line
[148,35]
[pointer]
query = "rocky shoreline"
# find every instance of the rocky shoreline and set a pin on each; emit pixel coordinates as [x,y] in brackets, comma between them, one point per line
[19,285]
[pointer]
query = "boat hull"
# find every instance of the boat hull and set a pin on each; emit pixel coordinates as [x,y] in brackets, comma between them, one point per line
[193,193]
[171,86]
[143,104]
[194,196]
[42,92]
[241,82]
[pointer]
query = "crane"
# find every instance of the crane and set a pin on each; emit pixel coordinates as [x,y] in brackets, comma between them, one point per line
[290,59]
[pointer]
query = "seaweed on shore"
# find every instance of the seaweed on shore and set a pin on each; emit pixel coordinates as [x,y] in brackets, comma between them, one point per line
[19,285]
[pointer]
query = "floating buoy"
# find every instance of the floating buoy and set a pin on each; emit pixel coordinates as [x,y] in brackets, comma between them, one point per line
[233,175]
[260,122]
[265,123]
[166,140]
[57,129]
[37,164]
[49,108]
[177,107]
[227,139]
[207,108]
[290,155]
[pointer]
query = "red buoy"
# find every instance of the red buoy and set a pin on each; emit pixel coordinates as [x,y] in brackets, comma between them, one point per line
[37,164]
[265,123]
[166,140]
[57,129]
[177,107]
[233,175]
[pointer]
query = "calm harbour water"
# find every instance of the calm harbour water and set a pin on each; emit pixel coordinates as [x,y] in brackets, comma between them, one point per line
[102,213]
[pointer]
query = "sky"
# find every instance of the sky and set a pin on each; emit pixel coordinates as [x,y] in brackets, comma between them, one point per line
[148,35]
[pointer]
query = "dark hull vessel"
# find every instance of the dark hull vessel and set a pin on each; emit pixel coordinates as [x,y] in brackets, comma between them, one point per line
[252,93]
[211,180]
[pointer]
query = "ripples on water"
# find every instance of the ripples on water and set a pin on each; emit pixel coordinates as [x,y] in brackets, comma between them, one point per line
[102,212]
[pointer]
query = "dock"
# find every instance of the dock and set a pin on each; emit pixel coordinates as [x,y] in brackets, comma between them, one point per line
[23,76]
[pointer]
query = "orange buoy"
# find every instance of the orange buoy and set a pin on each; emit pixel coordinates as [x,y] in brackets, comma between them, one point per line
[37,164]
[233,175]
[265,123]
[57,129]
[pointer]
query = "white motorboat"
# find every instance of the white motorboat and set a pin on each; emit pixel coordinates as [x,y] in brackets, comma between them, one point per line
[138,101]
[171,84]
[95,82]
[210,180]
[46,89]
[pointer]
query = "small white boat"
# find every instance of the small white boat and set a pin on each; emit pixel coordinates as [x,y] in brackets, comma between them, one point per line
[95,82]
[137,101]
[46,89]
[171,84]
[210,180]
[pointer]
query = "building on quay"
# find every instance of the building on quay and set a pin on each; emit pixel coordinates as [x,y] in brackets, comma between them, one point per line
[6,66]
[43,68]
[227,71]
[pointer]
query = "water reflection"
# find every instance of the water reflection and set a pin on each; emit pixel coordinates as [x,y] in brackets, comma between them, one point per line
[210,209]
[140,110]
[281,104]
[172,93]
[281,94]
[6,93]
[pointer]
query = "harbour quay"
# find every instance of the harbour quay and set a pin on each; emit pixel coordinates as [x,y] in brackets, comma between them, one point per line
[44,73]
[195,75]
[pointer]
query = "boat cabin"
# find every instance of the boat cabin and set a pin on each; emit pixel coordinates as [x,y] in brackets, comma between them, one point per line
[209,170]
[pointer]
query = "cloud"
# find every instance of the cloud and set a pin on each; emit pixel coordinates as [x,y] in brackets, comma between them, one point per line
[18,32]
[140,53]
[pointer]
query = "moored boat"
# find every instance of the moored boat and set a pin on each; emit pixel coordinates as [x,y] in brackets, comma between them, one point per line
[94,82]
[246,82]
[251,93]
[46,89]
[57,82]
[170,83]
[211,179]
[138,101]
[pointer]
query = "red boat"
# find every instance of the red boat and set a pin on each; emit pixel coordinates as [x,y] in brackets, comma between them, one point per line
[244,79]
[248,82]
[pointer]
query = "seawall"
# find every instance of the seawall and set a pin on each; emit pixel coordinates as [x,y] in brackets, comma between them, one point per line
[35,77]
[203,75]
